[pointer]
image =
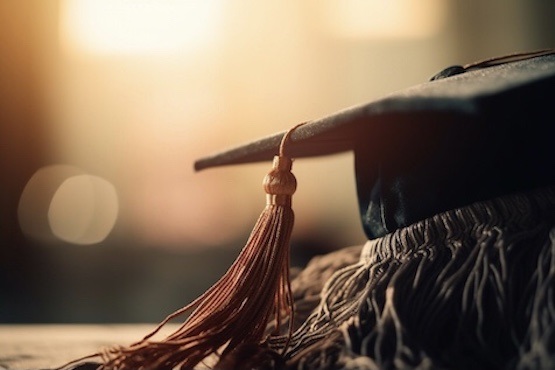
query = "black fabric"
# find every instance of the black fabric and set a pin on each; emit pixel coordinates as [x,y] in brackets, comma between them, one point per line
[412,171]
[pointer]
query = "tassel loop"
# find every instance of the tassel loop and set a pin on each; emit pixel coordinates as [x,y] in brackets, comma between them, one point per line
[280,184]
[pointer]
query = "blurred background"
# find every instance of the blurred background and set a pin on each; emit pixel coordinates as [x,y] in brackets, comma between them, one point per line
[105,104]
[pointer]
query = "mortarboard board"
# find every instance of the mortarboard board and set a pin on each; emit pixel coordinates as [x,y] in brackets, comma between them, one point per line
[482,133]
[472,134]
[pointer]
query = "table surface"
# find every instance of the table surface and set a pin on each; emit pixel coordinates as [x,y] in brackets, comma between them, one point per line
[25,347]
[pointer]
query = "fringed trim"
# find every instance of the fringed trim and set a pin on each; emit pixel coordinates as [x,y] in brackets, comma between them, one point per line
[518,212]
[468,288]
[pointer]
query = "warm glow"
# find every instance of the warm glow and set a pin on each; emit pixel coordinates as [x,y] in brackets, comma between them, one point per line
[61,201]
[138,26]
[145,87]
[83,210]
[384,19]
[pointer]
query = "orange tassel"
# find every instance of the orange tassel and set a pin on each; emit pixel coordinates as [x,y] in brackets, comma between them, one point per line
[236,310]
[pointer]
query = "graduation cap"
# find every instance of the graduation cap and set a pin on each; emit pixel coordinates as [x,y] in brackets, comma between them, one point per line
[472,133]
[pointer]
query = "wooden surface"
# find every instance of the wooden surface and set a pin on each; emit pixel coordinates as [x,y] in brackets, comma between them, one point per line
[50,346]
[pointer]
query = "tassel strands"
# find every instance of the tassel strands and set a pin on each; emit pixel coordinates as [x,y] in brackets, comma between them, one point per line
[236,310]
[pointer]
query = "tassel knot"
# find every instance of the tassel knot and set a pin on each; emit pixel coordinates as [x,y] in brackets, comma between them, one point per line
[280,184]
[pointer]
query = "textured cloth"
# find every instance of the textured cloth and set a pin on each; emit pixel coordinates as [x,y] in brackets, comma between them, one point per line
[473,287]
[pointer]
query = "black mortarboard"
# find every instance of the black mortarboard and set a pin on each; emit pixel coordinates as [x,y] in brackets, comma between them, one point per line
[470,134]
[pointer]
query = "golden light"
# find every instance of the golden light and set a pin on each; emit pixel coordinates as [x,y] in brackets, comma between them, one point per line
[146,86]
[405,19]
[138,26]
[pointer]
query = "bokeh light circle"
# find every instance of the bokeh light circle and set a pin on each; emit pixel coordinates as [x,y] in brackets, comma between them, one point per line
[83,210]
[61,202]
